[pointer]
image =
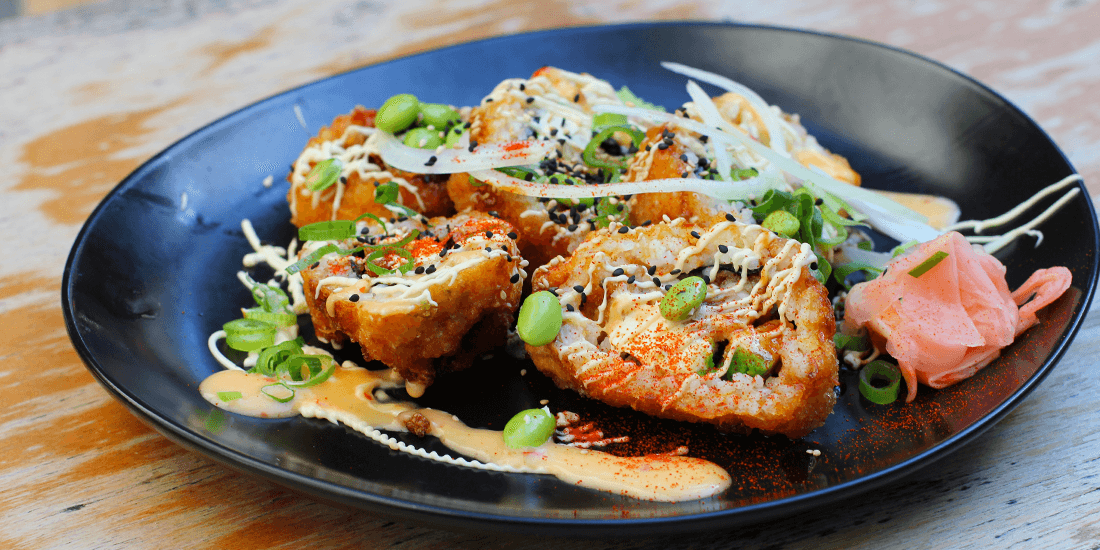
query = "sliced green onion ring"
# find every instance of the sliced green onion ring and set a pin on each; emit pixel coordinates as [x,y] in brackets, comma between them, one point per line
[589,154]
[278,319]
[270,298]
[381,252]
[928,264]
[880,370]
[335,230]
[375,218]
[324,174]
[604,120]
[283,398]
[311,258]
[271,358]
[851,343]
[248,334]
[386,193]
[229,395]
[323,364]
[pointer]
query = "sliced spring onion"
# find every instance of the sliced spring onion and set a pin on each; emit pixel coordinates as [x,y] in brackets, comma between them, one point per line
[901,248]
[604,120]
[282,396]
[589,155]
[628,96]
[851,343]
[382,252]
[311,258]
[386,193]
[270,298]
[249,334]
[324,174]
[335,230]
[842,271]
[928,264]
[880,371]
[375,218]
[278,319]
[738,174]
[272,357]
[229,395]
[326,366]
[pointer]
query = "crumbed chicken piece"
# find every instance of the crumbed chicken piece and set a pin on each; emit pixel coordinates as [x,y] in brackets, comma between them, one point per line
[551,105]
[348,140]
[761,300]
[455,301]
[688,154]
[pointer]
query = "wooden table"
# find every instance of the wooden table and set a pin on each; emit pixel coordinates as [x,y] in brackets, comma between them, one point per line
[89,93]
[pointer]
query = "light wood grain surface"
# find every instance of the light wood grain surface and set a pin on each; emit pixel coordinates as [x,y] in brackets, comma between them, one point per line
[87,94]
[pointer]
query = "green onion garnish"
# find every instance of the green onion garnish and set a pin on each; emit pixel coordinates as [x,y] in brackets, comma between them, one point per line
[851,343]
[738,174]
[271,390]
[899,249]
[320,368]
[381,252]
[271,358]
[270,298]
[604,120]
[278,319]
[248,334]
[311,258]
[335,230]
[229,395]
[589,155]
[323,174]
[386,193]
[375,218]
[880,371]
[928,264]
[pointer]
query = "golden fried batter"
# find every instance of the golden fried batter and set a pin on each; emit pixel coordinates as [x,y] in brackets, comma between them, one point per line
[347,139]
[552,105]
[456,302]
[615,345]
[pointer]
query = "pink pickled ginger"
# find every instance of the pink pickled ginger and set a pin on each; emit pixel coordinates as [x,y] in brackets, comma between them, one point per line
[954,319]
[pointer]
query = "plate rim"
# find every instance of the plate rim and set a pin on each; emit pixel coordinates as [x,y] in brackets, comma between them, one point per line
[332,492]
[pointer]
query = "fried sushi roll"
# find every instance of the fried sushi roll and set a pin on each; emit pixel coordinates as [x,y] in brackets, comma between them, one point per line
[675,152]
[553,106]
[348,144]
[756,352]
[422,297]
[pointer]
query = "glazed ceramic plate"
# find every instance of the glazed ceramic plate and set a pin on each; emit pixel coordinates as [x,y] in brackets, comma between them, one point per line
[152,275]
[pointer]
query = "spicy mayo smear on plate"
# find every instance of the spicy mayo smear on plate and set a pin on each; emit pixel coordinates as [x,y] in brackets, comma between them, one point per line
[349,397]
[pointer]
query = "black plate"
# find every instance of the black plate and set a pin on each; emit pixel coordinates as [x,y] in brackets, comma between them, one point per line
[148,280]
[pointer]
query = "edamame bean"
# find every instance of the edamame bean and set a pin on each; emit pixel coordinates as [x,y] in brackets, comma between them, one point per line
[747,362]
[683,298]
[438,115]
[397,113]
[423,138]
[539,318]
[529,428]
[454,136]
[781,222]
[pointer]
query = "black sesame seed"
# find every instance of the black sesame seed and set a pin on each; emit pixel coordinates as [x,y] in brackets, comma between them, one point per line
[730,218]
[623,230]
[618,272]
[568,307]
[813,266]
[530,100]
[315,264]
[706,278]
[578,288]
[631,280]
[473,145]
[553,290]
[515,278]
[647,223]
[353,298]
[512,235]
[419,270]
[488,234]
[651,269]
[430,270]
[819,201]
[431,161]
[343,179]
[674,272]
[656,281]
[488,249]
[685,174]
[494,213]
[662,146]
[509,257]
[723,248]
[443,253]
[572,227]
[576,98]
[522,87]
[695,234]
[648,147]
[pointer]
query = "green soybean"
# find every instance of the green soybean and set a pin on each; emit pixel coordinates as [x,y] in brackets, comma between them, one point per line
[454,136]
[781,222]
[437,115]
[747,362]
[683,298]
[397,113]
[423,138]
[529,428]
[539,318]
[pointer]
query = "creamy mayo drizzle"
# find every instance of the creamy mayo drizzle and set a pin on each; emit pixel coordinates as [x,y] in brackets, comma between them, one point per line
[349,397]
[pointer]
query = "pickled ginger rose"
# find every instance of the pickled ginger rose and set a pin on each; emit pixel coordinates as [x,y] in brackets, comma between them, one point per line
[950,321]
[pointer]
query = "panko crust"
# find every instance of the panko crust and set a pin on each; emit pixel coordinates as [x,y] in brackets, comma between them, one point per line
[792,399]
[357,194]
[469,305]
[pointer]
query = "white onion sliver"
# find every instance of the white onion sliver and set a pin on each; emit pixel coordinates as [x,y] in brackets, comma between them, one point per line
[450,161]
[717,189]
[771,121]
[711,117]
